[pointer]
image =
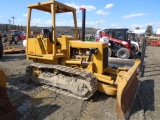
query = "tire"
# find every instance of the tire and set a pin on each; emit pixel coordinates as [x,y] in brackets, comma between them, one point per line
[10,39]
[1,48]
[123,53]
[109,52]
[22,51]
[134,48]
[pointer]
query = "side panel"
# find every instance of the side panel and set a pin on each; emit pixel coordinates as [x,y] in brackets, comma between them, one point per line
[35,46]
[101,58]
[31,49]
[39,46]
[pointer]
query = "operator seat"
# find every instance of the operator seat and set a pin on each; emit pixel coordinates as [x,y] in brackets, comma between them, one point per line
[47,34]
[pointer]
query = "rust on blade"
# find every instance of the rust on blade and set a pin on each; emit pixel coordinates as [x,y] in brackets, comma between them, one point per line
[127,88]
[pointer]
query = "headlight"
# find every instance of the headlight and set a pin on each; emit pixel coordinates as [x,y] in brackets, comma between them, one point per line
[124,42]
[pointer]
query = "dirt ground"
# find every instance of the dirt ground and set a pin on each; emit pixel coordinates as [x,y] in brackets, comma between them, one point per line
[35,102]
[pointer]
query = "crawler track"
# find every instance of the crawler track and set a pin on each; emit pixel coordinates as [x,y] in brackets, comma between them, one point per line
[68,81]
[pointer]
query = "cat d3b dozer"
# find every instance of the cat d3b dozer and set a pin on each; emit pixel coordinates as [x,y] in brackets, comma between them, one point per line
[74,67]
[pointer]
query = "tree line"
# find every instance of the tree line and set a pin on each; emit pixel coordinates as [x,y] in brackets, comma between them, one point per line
[148,31]
[8,27]
[60,29]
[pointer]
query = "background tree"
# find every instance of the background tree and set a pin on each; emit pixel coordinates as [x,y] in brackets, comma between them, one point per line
[21,28]
[137,28]
[149,30]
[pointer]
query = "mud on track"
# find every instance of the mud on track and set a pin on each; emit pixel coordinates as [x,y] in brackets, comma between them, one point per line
[36,102]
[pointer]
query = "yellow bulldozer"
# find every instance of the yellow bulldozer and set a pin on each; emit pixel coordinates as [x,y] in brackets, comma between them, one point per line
[76,67]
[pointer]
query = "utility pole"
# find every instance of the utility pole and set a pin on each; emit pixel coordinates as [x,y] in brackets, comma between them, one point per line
[10,21]
[98,24]
[13,19]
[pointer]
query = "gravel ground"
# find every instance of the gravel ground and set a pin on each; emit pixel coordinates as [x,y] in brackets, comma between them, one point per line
[36,102]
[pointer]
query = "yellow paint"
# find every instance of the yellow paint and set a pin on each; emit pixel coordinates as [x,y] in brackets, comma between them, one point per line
[104,79]
[107,89]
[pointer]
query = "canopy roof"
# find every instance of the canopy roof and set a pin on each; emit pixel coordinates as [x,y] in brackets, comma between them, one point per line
[46,6]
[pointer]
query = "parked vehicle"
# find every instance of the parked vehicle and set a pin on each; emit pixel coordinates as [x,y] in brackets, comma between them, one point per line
[16,36]
[135,42]
[4,38]
[119,44]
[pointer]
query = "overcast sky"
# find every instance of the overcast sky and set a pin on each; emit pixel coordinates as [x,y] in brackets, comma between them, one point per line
[100,13]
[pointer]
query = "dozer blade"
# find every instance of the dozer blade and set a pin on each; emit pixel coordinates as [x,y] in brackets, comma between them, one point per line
[7,111]
[128,85]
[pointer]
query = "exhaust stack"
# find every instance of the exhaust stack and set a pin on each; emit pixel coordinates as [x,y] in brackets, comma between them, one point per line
[83,22]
